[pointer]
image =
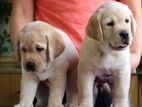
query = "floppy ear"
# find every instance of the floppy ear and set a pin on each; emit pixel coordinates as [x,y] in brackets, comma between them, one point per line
[55,46]
[17,50]
[94,28]
[133,25]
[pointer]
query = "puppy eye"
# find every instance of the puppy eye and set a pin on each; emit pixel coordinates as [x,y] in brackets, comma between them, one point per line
[110,23]
[39,49]
[127,20]
[24,49]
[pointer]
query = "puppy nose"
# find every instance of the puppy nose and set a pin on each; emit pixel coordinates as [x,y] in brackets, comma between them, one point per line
[30,66]
[124,34]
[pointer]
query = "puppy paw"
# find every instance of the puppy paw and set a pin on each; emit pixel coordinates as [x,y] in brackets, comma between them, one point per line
[120,105]
[16,105]
[55,105]
[71,105]
[85,105]
[23,105]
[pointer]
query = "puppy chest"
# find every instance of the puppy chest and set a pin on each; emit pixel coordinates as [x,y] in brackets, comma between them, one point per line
[112,61]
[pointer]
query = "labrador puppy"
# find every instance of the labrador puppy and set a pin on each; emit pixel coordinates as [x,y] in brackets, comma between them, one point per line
[46,52]
[105,51]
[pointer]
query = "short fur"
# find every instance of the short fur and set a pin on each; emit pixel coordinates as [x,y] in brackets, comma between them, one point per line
[46,52]
[105,50]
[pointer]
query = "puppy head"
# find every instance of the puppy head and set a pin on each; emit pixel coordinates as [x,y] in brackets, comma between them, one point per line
[114,23]
[38,45]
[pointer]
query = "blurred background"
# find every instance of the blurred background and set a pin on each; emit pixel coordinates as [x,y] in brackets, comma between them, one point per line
[10,75]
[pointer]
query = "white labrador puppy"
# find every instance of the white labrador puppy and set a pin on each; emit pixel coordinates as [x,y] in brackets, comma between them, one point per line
[46,52]
[105,50]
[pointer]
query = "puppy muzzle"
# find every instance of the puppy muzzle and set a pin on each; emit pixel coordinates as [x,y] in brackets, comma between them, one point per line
[30,66]
[125,39]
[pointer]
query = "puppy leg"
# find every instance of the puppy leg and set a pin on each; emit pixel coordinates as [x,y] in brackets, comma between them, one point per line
[57,90]
[28,89]
[121,89]
[71,92]
[85,88]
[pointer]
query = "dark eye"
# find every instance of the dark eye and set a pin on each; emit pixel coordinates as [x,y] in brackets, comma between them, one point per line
[110,24]
[127,20]
[24,49]
[39,49]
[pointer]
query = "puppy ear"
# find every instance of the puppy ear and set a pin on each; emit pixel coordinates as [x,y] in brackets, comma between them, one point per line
[55,46]
[94,28]
[17,50]
[133,25]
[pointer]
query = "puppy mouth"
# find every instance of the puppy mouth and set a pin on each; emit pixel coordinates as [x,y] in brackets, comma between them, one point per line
[123,45]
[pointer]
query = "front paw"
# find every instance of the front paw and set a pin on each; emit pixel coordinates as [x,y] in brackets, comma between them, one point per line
[55,105]
[17,105]
[23,105]
[120,105]
[71,105]
[85,105]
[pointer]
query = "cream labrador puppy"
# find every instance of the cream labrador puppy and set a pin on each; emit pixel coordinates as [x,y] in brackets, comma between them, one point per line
[105,51]
[46,52]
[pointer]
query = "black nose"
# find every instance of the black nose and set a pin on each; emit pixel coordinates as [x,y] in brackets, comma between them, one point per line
[30,66]
[124,34]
